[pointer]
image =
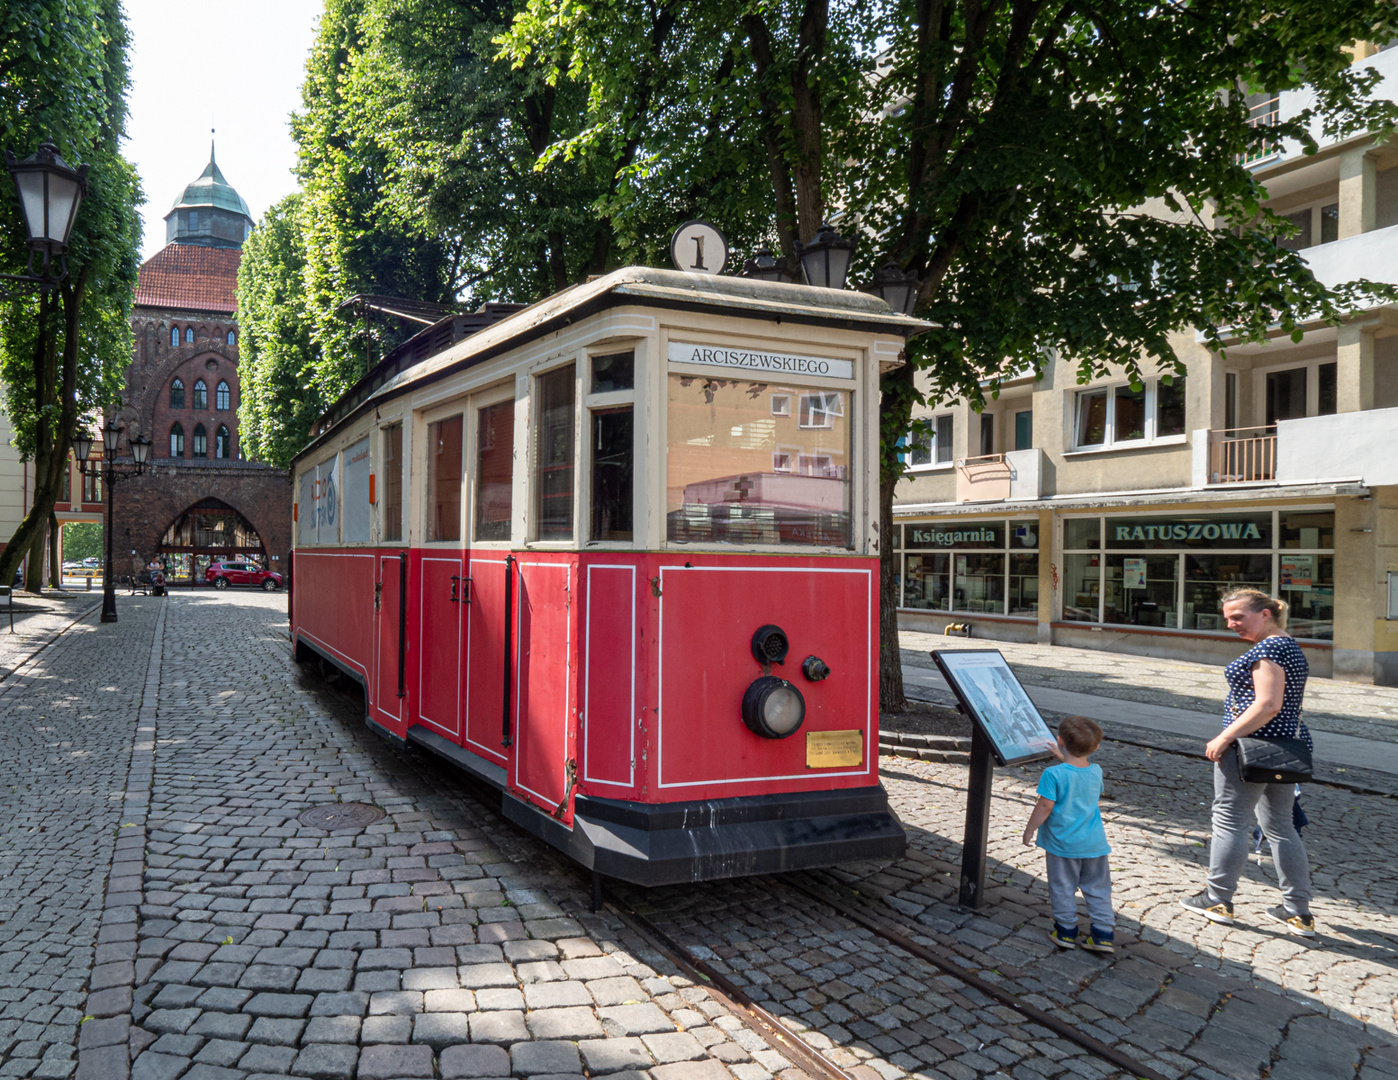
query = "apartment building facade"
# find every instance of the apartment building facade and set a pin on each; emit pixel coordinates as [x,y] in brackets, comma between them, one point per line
[1103,516]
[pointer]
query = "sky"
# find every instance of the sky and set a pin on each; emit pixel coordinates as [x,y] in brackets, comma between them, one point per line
[236,67]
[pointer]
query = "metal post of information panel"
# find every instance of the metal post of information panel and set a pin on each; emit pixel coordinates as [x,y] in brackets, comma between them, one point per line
[977,832]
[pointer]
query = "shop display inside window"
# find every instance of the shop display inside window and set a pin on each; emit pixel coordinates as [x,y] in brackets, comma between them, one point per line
[1082,587]
[740,473]
[979,583]
[1208,577]
[925,581]
[1306,581]
[1024,584]
[1141,590]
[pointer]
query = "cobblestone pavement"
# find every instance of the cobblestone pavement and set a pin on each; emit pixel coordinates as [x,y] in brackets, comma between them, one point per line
[1183,995]
[1369,712]
[67,722]
[37,620]
[439,941]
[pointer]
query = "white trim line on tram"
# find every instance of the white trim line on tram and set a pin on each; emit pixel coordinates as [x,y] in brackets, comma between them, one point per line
[870,751]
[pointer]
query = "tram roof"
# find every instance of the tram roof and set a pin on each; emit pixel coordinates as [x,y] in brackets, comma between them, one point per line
[643,285]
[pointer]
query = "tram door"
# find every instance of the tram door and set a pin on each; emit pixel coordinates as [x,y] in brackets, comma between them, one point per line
[442,598]
[390,612]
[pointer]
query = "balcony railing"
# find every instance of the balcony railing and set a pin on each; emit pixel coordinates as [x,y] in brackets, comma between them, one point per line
[1264,114]
[1242,455]
[982,478]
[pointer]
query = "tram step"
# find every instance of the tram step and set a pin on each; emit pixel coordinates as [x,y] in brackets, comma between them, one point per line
[944,748]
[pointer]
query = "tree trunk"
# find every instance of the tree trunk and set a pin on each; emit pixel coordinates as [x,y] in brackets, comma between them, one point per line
[55,565]
[34,572]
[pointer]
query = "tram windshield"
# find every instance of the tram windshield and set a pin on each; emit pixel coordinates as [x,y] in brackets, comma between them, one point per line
[757,463]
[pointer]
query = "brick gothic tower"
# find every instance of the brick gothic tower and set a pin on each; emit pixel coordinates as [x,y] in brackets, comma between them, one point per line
[200,501]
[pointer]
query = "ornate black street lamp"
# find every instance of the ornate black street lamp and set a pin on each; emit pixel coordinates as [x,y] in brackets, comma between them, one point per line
[895,288]
[50,192]
[764,266]
[110,472]
[825,260]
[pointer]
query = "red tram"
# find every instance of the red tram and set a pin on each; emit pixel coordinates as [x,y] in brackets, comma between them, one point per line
[615,554]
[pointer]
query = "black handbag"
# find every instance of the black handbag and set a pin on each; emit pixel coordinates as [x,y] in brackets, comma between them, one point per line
[1264,760]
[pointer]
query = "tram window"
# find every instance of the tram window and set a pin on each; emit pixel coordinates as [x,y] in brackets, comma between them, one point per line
[615,371]
[393,482]
[444,478]
[495,456]
[553,455]
[737,474]
[613,464]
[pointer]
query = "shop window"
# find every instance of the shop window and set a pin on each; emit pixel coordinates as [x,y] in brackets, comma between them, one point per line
[1208,577]
[1082,534]
[174,336]
[177,394]
[1328,389]
[721,485]
[189,335]
[201,442]
[1306,581]
[1024,584]
[615,371]
[1082,587]
[978,583]
[1141,590]
[222,396]
[613,466]
[495,454]
[201,396]
[1306,529]
[925,581]
[1024,430]
[176,441]
[553,455]
[393,482]
[444,479]
[221,442]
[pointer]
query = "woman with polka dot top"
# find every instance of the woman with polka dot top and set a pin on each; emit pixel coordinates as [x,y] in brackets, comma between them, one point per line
[1266,686]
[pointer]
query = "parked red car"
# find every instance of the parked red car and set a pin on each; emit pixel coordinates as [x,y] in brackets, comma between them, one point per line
[223,574]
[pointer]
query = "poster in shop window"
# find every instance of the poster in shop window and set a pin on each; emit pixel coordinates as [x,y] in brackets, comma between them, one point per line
[993,698]
[1297,571]
[1134,574]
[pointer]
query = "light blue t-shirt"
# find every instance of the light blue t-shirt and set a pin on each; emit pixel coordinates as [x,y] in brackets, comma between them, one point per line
[1074,826]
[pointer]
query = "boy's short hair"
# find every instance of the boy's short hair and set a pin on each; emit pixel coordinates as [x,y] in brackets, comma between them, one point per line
[1080,735]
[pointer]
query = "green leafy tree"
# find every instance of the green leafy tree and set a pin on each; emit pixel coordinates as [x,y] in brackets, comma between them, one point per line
[278,361]
[82,540]
[64,68]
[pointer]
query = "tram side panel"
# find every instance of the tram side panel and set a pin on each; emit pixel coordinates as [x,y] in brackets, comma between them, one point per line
[614,688]
[440,625]
[334,608]
[487,727]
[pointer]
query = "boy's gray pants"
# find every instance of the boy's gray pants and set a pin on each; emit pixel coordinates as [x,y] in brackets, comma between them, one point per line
[1093,877]
[1235,803]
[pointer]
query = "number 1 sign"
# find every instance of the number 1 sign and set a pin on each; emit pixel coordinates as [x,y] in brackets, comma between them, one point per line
[698,248]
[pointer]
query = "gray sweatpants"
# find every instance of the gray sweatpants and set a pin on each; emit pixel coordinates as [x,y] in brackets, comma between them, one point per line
[1093,876]
[1235,803]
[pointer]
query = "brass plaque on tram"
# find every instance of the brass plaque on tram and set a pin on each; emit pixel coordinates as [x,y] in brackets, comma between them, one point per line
[828,749]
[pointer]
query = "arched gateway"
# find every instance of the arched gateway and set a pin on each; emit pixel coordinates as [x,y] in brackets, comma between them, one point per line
[209,531]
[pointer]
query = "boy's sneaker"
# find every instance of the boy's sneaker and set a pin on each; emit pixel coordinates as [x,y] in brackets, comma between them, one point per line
[1304,925]
[1219,911]
[1064,937]
[1097,941]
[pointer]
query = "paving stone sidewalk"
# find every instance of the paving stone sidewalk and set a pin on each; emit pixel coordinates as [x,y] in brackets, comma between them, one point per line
[67,723]
[37,620]
[439,941]
[1369,712]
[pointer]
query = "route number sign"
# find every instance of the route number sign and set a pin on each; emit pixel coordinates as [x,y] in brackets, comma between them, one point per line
[698,248]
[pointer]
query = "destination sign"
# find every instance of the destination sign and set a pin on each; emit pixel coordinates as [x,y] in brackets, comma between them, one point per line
[765,362]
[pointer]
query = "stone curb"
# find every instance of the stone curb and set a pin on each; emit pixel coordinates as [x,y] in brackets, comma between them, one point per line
[103,1050]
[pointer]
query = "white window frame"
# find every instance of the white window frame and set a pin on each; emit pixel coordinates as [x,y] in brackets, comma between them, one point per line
[1110,441]
[934,464]
[822,416]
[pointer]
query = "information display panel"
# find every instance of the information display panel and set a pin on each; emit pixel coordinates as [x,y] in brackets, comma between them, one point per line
[995,701]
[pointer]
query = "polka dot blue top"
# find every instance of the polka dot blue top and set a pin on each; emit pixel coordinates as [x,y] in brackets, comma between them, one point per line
[1286,654]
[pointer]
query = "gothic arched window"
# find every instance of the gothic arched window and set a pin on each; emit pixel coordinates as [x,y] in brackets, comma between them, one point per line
[201,396]
[188,334]
[177,394]
[174,336]
[201,441]
[232,338]
[221,397]
[176,440]
[221,442]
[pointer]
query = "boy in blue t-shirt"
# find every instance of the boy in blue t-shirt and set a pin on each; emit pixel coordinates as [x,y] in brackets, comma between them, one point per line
[1073,839]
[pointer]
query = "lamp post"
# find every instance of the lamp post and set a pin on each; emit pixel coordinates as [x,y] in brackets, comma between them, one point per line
[895,288]
[50,192]
[110,472]
[825,260]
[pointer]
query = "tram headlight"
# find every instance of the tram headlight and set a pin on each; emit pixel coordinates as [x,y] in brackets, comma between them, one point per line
[773,708]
